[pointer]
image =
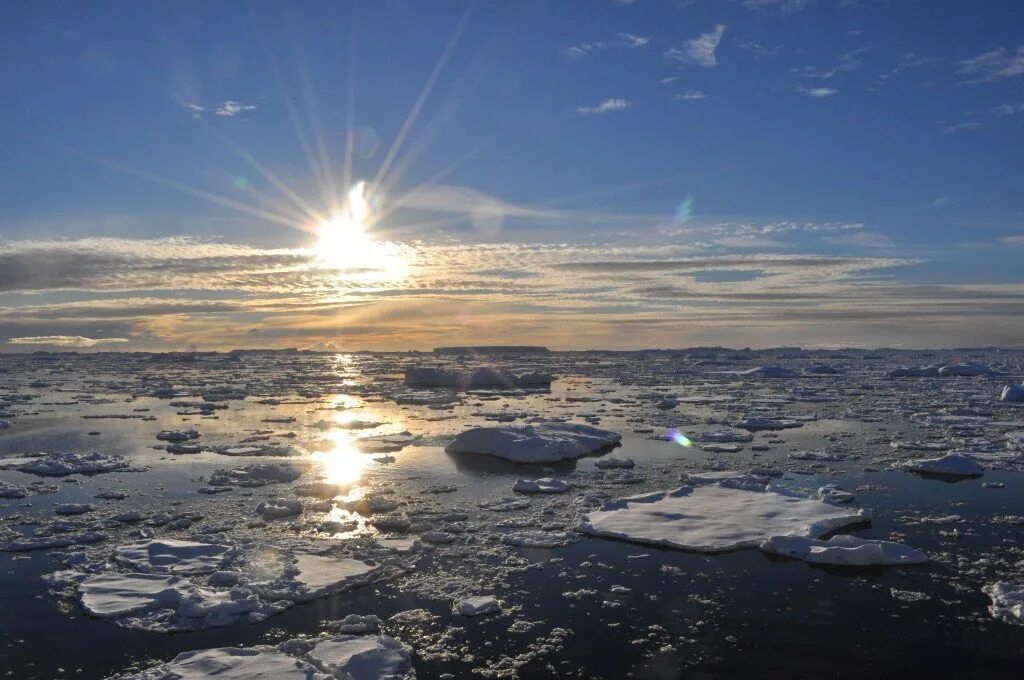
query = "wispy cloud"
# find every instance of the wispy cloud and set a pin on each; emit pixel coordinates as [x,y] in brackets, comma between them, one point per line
[1008,109]
[701,50]
[690,95]
[995,64]
[819,92]
[1017,240]
[228,109]
[785,6]
[233,108]
[849,61]
[962,127]
[582,49]
[606,106]
[633,40]
[64,340]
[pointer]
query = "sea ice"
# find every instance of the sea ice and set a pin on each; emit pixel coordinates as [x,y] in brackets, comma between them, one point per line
[363,657]
[112,595]
[278,508]
[1013,393]
[950,465]
[177,435]
[542,485]
[761,423]
[70,463]
[1007,601]
[232,663]
[541,443]
[169,555]
[613,462]
[715,518]
[844,550]
[259,474]
[769,372]
[477,606]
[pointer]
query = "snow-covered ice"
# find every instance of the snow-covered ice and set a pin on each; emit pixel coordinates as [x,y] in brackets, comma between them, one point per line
[715,518]
[541,443]
[844,550]
[950,465]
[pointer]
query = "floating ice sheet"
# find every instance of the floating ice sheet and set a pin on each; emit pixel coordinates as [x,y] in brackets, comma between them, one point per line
[715,518]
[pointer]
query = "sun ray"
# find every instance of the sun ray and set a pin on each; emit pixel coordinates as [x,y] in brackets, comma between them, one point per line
[423,95]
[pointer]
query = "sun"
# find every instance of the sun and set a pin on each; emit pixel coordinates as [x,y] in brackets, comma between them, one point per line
[344,241]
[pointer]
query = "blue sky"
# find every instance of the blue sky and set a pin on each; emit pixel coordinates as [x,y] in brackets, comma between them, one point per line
[580,174]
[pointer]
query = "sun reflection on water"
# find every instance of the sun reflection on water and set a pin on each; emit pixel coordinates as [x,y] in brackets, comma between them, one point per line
[341,462]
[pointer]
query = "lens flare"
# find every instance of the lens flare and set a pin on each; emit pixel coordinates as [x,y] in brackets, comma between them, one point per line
[678,437]
[345,243]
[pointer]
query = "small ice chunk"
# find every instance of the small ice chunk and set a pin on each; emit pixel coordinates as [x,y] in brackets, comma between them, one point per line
[73,509]
[830,493]
[354,623]
[278,508]
[359,657]
[613,462]
[477,606]
[542,485]
[177,435]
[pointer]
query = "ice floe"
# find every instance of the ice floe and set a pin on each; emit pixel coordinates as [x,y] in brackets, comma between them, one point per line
[542,485]
[950,465]
[71,463]
[541,443]
[1007,601]
[844,551]
[716,518]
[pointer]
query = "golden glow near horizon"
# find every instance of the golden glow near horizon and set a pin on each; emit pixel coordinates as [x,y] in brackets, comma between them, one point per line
[344,242]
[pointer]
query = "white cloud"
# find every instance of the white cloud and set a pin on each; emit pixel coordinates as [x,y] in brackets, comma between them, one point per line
[860,239]
[819,92]
[227,109]
[995,64]
[232,108]
[64,340]
[633,40]
[607,106]
[701,50]
[1008,109]
[960,127]
[1013,240]
[690,95]
[784,6]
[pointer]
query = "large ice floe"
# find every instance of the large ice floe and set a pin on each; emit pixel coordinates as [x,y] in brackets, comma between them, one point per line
[71,463]
[482,378]
[1007,601]
[174,556]
[950,465]
[341,657]
[716,517]
[541,443]
[1012,393]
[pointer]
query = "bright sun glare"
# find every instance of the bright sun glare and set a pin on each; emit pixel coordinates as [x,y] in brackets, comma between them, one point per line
[345,242]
